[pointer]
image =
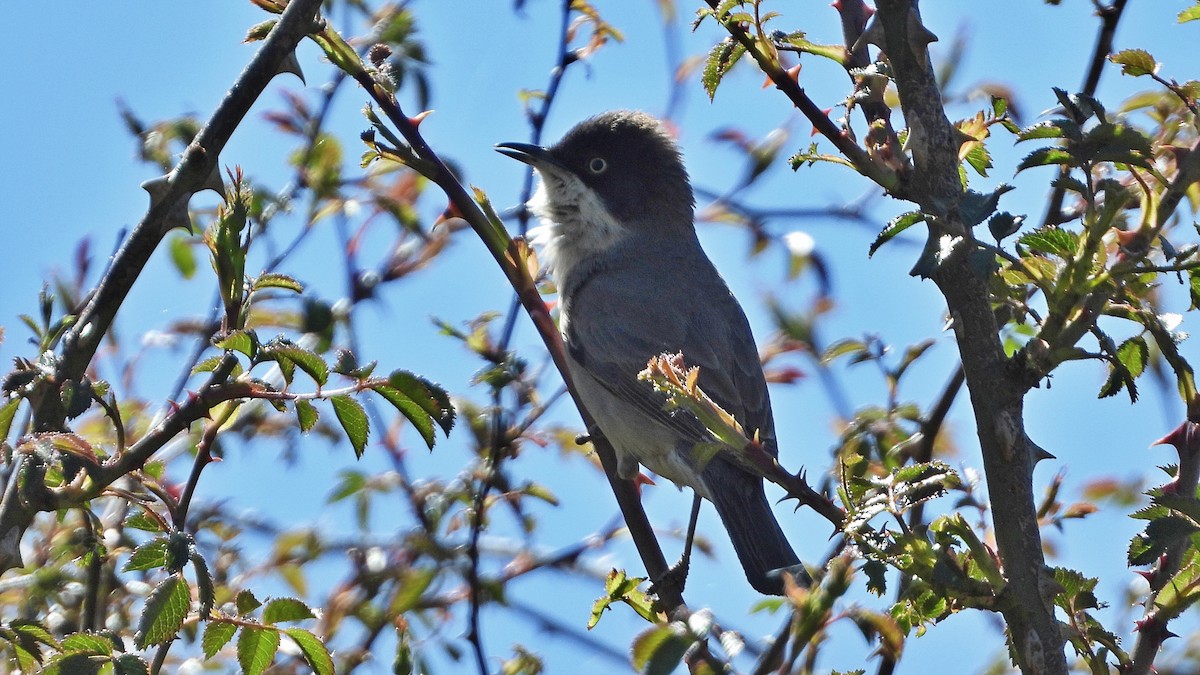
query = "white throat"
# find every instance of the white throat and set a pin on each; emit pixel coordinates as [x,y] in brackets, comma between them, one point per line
[575,225]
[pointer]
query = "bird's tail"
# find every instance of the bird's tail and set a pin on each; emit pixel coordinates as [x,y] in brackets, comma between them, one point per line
[742,504]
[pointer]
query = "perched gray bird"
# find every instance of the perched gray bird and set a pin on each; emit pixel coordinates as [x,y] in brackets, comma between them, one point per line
[633,283]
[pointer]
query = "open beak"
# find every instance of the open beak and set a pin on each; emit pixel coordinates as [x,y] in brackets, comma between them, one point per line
[533,155]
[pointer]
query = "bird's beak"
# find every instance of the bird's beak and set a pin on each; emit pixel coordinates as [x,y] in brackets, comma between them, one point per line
[533,155]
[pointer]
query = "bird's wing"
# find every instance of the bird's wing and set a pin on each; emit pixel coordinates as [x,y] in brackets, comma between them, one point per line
[614,328]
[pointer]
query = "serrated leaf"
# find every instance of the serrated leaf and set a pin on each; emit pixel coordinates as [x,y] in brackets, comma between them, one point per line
[142,521]
[242,341]
[204,584]
[90,643]
[353,418]
[148,556]
[256,649]
[166,608]
[315,652]
[1135,62]
[309,362]
[217,634]
[659,650]
[246,602]
[1189,14]
[1050,240]
[1134,353]
[285,609]
[432,398]
[894,227]
[130,664]
[1047,157]
[1056,128]
[306,415]
[277,280]
[721,58]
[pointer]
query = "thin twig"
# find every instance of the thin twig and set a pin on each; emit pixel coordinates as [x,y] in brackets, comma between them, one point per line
[1110,16]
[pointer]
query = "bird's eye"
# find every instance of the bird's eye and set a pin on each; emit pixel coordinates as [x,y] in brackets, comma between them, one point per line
[597,165]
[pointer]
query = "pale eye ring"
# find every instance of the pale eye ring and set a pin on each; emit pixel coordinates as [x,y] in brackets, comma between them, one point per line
[597,165]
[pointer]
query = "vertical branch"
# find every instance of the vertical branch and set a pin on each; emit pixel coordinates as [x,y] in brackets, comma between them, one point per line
[996,393]
[1110,16]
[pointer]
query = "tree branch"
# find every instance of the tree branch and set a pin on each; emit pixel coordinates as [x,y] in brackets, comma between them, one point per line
[168,209]
[1110,16]
[1009,455]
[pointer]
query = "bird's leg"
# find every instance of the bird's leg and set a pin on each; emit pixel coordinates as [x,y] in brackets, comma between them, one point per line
[677,576]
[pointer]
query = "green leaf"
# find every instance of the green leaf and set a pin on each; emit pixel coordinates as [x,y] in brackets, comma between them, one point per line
[285,609]
[623,588]
[246,602]
[166,608]
[306,415]
[1189,14]
[1194,287]
[659,650]
[309,362]
[182,256]
[721,58]
[130,664]
[1050,240]
[844,347]
[217,634]
[259,31]
[1135,62]
[1056,128]
[315,652]
[148,556]
[1047,157]
[142,521]
[433,399]
[353,419]
[276,280]
[1134,354]
[256,649]
[832,52]
[339,51]
[7,414]
[204,584]
[90,643]
[894,227]
[243,341]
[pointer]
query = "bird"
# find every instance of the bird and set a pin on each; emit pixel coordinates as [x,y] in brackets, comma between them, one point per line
[633,282]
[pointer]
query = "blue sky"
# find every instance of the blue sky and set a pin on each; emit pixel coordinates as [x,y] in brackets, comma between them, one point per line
[68,170]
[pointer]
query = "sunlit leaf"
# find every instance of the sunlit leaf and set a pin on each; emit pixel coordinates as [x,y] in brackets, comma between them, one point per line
[256,649]
[353,419]
[315,652]
[166,608]
[280,610]
[217,634]
[894,227]
[1135,62]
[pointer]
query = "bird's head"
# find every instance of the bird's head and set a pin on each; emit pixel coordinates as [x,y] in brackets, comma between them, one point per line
[613,174]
